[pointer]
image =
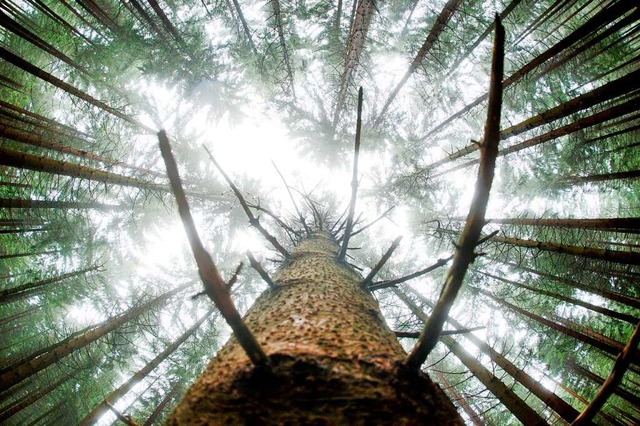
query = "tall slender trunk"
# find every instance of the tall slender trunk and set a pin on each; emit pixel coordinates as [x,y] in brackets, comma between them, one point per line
[23,290]
[19,203]
[332,358]
[614,224]
[355,46]
[438,27]
[32,397]
[604,311]
[27,254]
[613,296]
[595,342]
[279,26]
[460,400]
[245,28]
[166,22]
[557,404]
[625,394]
[20,372]
[604,177]
[592,25]
[120,391]
[166,400]
[504,393]
[43,75]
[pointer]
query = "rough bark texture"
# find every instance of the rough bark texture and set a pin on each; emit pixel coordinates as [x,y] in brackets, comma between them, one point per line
[333,359]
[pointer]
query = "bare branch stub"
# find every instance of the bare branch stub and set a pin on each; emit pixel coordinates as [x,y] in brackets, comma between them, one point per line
[470,236]
[252,219]
[390,283]
[260,270]
[365,283]
[354,182]
[214,285]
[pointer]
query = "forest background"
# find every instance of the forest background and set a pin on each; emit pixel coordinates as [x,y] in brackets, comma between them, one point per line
[96,276]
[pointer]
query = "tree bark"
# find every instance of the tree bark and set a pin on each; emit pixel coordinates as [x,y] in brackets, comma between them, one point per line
[333,359]
[161,406]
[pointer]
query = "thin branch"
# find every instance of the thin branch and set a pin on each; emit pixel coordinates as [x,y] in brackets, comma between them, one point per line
[234,277]
[374,222]
[365,283]
[214,285]
[252,219]
[390,283]
[260,270]
[295,205]
[415,334]
[468,241]
[613,380]
[354,182]
[288,229]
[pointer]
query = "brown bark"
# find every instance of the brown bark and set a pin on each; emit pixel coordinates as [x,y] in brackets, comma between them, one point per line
[606,92]
[616,297]
[18,203]
[363,15]
[615,256]
[20,372]
[604,311]
[279,26]
[504,393]
[120,391]
[438,27]
[166,22]
[23,290]
[592,341]
[155,415]
[333,359]
[31,397]
[604,177]
[27,254]
[40,5]
[22,160]
[623,393]
[553,401]
[615,224]
[592,25]
[43,75]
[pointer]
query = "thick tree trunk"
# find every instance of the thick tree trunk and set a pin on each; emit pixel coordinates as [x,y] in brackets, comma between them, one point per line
[332,358]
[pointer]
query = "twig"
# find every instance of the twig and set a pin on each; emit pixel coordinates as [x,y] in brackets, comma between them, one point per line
[354,182]
[613,380]
[464,253]
[372,223]
[214,285]
[252,219]
[416,334]
[295,205]
[234,277]
[260,270]
[390,283]
[365,283]
[288,229]
[337,222]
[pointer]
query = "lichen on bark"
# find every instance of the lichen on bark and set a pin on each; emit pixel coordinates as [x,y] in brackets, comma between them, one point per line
[333,360]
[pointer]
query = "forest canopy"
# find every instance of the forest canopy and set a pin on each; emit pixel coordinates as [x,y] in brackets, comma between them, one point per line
[100,296]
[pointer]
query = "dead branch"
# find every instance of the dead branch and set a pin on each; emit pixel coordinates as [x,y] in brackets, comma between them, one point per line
[464,254]
[260,270]
[252,219]
[354,182]
[214,285]
[613,380]
[365,283]
[416,334]
[123,418]
[390,283]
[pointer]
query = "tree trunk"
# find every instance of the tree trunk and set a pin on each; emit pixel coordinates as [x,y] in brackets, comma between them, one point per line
[604,311]
[31,397]
[504,393]
[21,291]
[473,416]
[18,203]
[438,27]
[332,358]
[119,392]
[161,406]
[20,372]
[616,224]
[565,410]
